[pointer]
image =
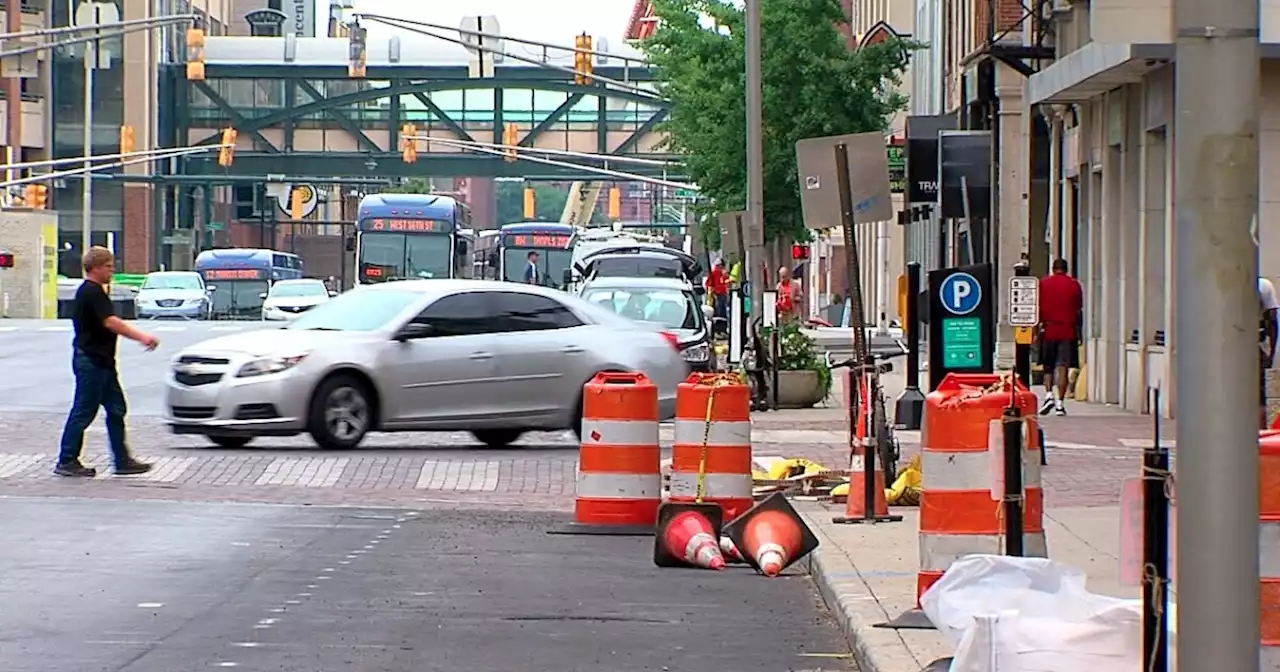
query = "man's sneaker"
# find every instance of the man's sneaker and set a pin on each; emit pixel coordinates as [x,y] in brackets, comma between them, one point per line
[132,468]
[1046,406]
[75,470]
[1060,410]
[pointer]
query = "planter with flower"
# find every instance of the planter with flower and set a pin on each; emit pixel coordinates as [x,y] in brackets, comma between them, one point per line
[803,377]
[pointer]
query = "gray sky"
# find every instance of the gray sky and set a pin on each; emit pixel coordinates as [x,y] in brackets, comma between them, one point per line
[529,19]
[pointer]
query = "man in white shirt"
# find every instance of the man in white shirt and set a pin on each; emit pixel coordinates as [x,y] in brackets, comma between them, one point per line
[1267,336]
[531,270]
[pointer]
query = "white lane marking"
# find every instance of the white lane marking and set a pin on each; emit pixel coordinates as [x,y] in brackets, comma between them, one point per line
[268,621]
[150,605]
[476,476]
[312,585]
[5,330]
[169,328]
[55,328]
[277,610]
[12,465]
[328,569]
[240,543]
[246,645]
[228,327]
[323,578]
[292,602]
[344,562]
[306,594]
[227,663]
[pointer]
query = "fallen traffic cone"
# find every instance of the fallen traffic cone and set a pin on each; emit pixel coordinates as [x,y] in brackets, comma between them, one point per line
[687,535]
[771,535]
[731,553]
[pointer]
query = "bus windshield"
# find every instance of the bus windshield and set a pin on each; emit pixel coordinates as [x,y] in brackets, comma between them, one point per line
[238,299]
[552,263]
[390,256]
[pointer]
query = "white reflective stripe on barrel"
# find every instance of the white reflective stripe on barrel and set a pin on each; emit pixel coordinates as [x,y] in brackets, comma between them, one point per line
[618,486]
[1269,658]
[619,432]
[970,470]
[723,433]
[1269,550]
[938,551]
[717,485]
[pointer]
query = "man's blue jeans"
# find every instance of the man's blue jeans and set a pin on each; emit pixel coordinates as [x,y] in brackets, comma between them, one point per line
[96,386]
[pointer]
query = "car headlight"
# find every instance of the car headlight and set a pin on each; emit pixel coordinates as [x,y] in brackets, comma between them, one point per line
[268,365]
[696,353]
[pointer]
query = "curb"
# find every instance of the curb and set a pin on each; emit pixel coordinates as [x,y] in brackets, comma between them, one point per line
[856,609]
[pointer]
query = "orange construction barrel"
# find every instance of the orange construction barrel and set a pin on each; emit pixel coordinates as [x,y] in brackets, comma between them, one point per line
[727,439]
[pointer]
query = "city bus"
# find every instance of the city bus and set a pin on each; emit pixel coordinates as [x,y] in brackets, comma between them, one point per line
[507,254]
[239,278]
[410,236]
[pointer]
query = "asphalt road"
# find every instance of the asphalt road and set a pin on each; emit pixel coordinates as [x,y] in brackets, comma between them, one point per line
[161,586]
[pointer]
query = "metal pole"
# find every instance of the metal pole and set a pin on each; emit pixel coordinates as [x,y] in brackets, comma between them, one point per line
[86,193]
[755,157]
[1216,324]
[1013,456]
[1155,552]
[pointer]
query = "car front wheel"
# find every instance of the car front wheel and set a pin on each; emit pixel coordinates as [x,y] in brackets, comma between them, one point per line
[497,438]
[341,413]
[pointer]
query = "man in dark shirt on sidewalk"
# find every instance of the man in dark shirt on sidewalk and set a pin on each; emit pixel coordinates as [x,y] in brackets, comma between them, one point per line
[1061,300]
[93,360]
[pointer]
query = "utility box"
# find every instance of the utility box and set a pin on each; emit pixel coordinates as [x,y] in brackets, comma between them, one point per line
[29,289]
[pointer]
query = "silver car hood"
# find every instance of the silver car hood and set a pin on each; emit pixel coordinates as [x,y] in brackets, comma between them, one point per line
[266,342]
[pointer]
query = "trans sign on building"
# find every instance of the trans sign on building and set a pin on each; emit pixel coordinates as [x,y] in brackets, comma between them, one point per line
[411,236]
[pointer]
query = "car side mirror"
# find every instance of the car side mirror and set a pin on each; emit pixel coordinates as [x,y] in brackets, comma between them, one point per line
[211,289]
[332,294]
[567,276]
[262,295]
[414,330]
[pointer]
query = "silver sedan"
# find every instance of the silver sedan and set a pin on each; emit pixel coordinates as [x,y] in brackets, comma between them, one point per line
[493,358]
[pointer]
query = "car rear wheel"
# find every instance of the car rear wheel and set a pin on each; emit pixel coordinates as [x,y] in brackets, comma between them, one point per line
[230,441]
[497,438]
[341,413]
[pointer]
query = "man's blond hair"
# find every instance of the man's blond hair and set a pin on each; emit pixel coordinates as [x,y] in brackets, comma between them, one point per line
[97,257]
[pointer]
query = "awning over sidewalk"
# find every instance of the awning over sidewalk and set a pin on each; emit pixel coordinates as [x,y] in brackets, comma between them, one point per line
[1094,69]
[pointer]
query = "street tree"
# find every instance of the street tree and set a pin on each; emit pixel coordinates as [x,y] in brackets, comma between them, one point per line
[814,85]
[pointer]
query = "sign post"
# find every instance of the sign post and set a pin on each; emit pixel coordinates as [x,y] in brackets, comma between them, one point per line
[961,322]
[1024,315]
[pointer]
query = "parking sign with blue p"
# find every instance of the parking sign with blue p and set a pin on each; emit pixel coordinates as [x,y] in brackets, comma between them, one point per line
[960,294]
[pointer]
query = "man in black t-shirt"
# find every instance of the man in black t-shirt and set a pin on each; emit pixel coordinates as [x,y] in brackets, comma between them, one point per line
[93,360]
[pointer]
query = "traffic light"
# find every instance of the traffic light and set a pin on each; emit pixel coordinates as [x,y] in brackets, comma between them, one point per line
[127,144]
[799,252]
[6,259]
[615,203]
[296,201]
[36,196]
[195,54]
[530,204]
[227,153]
[582,59]
[511,138]
[357,45]
[409,143]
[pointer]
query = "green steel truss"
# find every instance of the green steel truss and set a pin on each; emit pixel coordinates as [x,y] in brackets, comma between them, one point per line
[272,104]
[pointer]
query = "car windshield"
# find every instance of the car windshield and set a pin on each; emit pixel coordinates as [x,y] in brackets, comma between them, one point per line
[638,267]
[359,310]
[172,281]
[552,263]
[299,289]
[671,308]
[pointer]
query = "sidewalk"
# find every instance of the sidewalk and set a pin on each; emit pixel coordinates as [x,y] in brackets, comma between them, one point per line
[867,573]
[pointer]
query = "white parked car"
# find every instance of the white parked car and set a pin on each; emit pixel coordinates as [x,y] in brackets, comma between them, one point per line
[288,299]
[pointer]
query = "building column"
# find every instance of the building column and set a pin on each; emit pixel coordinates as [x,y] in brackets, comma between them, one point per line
[140,76]
[1055,221]
[1110,339]
[1012,222]
[1133,372]
[1152,268]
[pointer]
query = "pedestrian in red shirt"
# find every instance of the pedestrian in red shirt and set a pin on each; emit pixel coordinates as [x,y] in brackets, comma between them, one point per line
[1061,300]
[718,285]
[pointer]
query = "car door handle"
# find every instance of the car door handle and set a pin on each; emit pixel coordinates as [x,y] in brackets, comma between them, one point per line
[571,350]
[481,355]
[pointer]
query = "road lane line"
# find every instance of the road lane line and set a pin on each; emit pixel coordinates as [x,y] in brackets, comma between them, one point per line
[55,328]
[228,327]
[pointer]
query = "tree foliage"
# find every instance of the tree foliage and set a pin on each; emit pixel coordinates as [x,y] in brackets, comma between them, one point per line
[814,86]
[548,202]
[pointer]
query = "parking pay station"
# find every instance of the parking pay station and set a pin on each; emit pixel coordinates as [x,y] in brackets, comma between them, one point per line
[961,322]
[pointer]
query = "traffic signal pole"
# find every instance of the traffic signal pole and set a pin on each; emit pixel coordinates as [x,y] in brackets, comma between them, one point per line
[122,160]
[1215,242]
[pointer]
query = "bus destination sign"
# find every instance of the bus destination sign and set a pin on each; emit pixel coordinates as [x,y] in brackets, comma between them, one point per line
[553,241]
[235,274]
[407,225]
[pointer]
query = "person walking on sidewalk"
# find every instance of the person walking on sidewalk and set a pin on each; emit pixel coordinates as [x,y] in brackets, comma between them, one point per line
[1061,301]
[93,360]
[1267,332]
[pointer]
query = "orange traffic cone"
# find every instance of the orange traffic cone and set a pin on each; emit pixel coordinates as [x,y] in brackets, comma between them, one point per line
[856,503]
[771,535]
[687,535]
[731,553]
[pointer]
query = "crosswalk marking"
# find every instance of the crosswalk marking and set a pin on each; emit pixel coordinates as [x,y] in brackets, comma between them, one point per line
[7,329]
[169,469]
[228,327]
[480,476]
[12,465]
[304,472]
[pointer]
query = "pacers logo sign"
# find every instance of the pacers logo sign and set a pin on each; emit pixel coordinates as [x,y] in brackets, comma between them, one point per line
[310,199]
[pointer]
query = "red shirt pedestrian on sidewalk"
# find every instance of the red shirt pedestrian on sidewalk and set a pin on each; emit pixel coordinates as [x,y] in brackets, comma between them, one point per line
[1061,301]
